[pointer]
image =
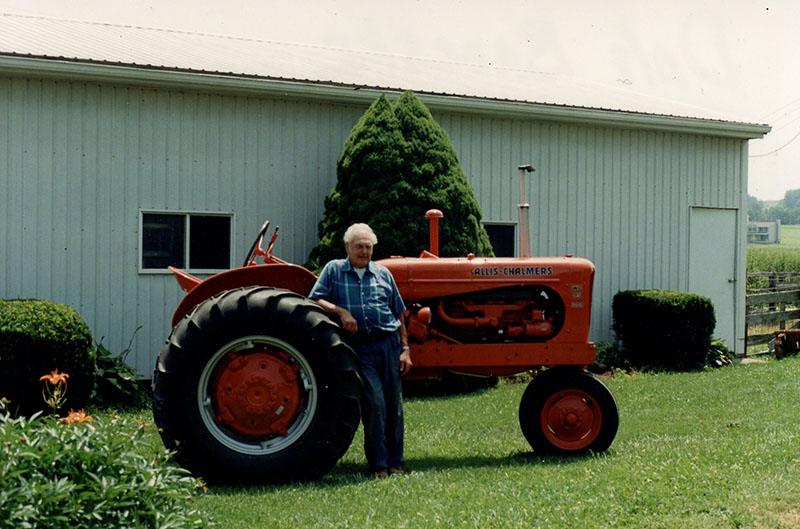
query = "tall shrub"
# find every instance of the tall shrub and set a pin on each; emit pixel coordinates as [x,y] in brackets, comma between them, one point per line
[396,164]
[434,178]
[372,155]
[664,328]
[37,337]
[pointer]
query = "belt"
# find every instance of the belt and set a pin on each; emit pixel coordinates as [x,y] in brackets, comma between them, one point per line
[370,337]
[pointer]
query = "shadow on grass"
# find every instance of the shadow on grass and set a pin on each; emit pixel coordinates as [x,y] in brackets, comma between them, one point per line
[519,459]
[349,474]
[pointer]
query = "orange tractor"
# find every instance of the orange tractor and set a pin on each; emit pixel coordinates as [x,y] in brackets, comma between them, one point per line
[257,383]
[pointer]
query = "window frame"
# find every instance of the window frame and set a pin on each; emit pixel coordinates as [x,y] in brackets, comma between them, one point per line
[187,214]
[515,234]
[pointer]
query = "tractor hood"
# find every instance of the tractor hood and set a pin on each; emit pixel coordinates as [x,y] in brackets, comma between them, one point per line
[430,276]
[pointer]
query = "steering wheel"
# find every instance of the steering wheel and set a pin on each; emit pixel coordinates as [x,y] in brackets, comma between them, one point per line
[255,249]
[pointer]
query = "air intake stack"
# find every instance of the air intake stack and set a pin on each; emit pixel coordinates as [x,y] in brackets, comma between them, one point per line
[524,214]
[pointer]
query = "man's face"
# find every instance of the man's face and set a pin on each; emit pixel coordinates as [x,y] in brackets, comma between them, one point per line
[359,250]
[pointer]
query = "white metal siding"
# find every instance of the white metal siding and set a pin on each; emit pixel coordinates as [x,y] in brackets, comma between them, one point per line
[79,161]
[620,198]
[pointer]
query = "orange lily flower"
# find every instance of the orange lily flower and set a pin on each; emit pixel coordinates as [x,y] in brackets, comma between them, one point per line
[77,416]
[54,391]
[55,378]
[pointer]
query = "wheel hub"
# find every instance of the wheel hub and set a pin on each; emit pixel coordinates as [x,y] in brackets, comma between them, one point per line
[571,420]
[258,394]
[568,416]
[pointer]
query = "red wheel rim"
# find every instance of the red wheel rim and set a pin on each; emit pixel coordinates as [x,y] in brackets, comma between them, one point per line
[257,394]
[571,420]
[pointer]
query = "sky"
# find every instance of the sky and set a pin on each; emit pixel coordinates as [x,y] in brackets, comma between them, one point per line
[740,58]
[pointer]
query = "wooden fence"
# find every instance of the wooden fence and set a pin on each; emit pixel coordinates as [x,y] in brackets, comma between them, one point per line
[772,306]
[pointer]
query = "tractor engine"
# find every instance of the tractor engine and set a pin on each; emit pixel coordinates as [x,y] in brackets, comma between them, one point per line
[525,313]
[495,300]
[494,316]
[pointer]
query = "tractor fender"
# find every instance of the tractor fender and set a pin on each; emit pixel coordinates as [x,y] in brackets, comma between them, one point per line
[283,275]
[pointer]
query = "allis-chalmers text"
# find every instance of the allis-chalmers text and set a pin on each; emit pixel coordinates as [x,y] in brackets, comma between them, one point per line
[506,271]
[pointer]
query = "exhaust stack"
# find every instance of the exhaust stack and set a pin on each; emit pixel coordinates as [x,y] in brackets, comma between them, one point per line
[523,209]
[434,215]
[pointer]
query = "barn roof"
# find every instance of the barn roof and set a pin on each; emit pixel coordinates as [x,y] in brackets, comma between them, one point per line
[66,47]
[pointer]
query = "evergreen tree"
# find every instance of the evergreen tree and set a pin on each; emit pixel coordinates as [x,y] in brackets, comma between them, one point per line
[434,179]
[372,153]
[396,164]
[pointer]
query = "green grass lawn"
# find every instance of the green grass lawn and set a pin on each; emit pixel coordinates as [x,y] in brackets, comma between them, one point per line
[709,449]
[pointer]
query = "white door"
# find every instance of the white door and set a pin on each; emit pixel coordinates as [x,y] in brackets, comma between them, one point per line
[712,265]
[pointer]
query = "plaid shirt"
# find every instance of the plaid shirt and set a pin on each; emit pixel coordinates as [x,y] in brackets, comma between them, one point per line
[373,301]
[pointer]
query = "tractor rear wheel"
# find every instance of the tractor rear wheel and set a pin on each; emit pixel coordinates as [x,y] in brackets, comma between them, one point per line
[257,385]
[567,411]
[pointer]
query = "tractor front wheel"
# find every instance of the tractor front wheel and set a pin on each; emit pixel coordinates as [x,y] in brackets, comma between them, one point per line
[566,412]
[257,385]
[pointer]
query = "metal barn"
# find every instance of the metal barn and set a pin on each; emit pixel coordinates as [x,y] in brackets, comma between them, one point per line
[113,139]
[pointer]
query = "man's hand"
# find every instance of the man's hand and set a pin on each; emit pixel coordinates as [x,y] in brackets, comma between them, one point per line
[348,321]
[405,362]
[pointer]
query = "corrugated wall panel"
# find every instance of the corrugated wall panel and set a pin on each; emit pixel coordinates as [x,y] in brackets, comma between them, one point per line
[79,161]
[618,197]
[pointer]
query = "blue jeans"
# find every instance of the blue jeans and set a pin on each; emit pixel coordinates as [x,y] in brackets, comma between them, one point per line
[382,403]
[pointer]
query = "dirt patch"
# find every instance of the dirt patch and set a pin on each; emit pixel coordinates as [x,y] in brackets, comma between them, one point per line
[747,360]
[779,519]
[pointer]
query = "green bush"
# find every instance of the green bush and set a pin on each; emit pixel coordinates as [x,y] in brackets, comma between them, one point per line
[37,337]
[60,475]
[608,356]
[118,385]
[663,328]
[719,355]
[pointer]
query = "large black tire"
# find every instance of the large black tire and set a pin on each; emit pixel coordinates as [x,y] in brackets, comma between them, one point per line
[568,412]
[257,385]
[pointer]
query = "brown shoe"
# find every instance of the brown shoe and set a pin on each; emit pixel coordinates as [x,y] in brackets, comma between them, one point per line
[382,473]
[397,471]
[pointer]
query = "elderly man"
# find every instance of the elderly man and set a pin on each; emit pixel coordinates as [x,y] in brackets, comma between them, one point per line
[365,298]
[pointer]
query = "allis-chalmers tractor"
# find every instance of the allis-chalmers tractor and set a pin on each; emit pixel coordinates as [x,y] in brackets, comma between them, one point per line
[257,383]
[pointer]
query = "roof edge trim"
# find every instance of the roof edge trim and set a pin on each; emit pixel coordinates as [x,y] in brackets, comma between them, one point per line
[352,94]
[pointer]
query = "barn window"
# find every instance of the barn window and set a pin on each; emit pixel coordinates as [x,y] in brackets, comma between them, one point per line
[502,237]
[200,242]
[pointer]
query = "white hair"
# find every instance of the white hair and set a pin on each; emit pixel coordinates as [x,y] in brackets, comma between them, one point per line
[359,229]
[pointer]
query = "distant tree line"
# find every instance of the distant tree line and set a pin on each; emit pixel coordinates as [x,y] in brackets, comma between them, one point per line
[786,210]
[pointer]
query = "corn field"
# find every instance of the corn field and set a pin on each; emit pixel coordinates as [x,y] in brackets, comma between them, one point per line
[772,268]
